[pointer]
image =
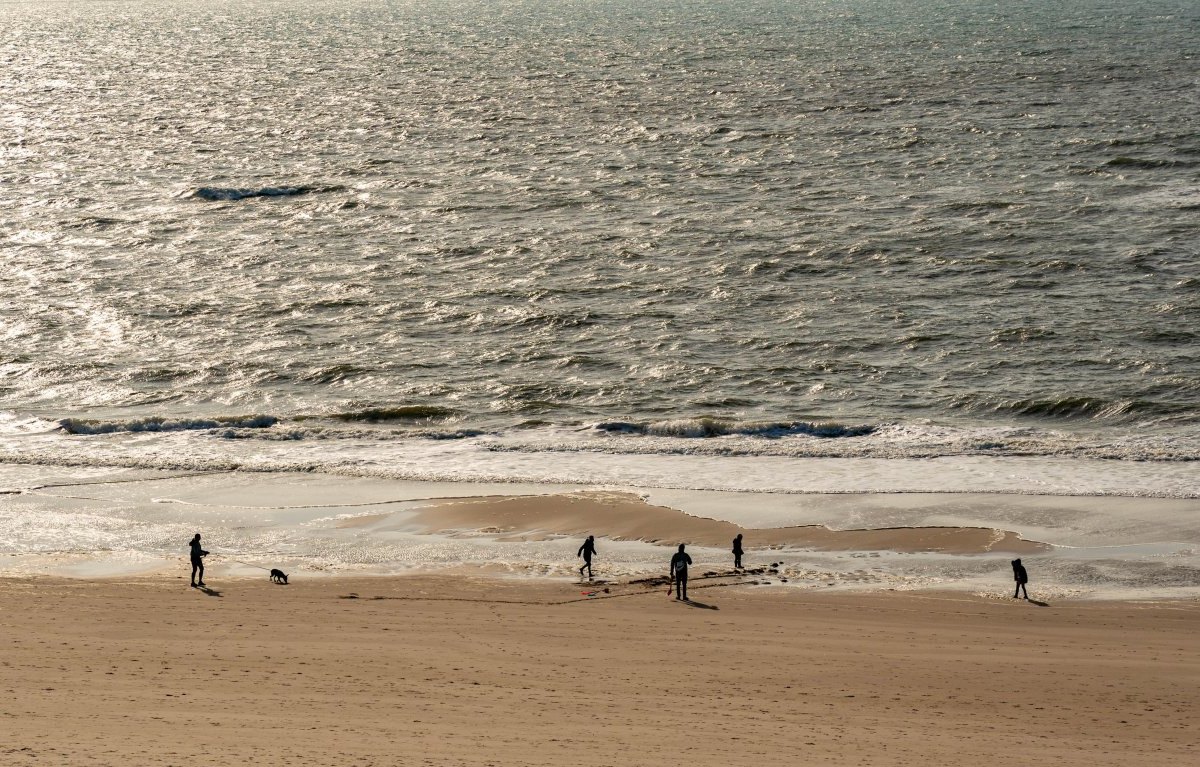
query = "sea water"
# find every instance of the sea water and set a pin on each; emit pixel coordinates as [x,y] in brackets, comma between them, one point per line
[784,247]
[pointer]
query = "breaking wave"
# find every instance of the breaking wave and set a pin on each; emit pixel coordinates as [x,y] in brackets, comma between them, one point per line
[716,427]
[156,424]
[399,413]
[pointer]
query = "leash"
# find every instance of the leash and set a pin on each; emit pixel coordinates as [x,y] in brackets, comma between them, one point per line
[240,562]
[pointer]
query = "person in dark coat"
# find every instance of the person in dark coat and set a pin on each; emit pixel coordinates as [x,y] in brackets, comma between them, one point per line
[679,566]
[737,552]
[198,555]
[1021,577]
[586,551]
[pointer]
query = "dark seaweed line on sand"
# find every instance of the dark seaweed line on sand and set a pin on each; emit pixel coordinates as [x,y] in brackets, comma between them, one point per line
[544,603]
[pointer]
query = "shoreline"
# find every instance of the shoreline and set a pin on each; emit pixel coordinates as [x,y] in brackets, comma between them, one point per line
[116,522]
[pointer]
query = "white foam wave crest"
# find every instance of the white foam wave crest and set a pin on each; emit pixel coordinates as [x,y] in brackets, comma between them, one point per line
[515,458]
[17,423]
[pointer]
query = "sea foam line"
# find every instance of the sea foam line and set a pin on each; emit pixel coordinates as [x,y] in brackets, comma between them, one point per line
[477,475]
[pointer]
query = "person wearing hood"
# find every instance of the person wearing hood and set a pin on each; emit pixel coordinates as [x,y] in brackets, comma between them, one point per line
[586,551]
[1021,578]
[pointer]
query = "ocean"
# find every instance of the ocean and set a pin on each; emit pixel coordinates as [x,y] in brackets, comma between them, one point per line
[767,246]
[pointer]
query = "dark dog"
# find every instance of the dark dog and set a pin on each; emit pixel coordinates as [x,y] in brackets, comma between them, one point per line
[279,576]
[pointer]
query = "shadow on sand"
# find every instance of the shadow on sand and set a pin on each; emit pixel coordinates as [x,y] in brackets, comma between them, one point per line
[1039,604]
[208,591]
[701,605]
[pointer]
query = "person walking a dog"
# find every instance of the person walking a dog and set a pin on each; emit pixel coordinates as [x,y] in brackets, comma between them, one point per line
[198,555]
[586,551]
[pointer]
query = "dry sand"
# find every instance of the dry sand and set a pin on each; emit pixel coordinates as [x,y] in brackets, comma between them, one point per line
[469,671]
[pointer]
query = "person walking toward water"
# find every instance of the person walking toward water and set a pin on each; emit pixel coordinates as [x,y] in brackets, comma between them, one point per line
[1021,578]
[679,566]
[586,551]
[737,552]
[198,555]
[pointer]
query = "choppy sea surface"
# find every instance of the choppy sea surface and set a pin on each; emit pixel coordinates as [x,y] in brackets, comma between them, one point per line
[785,246]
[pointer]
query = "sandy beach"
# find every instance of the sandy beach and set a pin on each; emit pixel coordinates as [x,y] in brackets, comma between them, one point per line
[441,624]
[467,670]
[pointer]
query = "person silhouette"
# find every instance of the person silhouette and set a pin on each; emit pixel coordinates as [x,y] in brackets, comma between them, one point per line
[1021,578]
[586,551]
[198,555]
[737,552]
[679,566]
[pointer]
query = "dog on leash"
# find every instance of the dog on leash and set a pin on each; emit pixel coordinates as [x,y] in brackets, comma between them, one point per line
[279,576]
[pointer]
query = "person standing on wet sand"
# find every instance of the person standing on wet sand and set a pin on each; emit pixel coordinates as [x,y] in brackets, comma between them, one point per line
[586,551]
[737,552]
[198,555]
[679,566]
[1021,578]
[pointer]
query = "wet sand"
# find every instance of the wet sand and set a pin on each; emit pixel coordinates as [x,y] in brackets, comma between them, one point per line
[625,516]
[473,671]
